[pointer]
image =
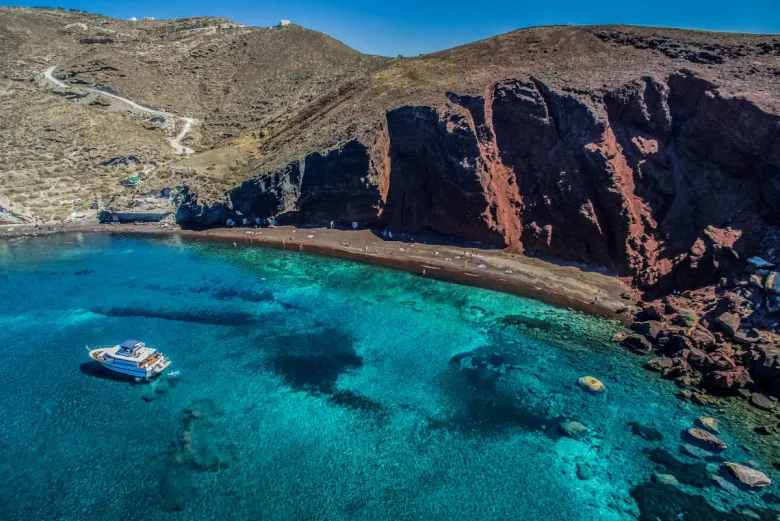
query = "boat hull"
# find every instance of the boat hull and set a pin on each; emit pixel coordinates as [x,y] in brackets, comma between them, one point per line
[140,373]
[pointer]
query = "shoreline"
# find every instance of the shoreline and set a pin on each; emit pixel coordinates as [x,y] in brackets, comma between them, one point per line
[562,286]
[565,286]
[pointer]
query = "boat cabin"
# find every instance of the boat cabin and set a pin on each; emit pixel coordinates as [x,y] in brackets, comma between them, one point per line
[130,348]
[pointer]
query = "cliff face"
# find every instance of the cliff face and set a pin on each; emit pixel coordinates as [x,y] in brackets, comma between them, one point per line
[664,180]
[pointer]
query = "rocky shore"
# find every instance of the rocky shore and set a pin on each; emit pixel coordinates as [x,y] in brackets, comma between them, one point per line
[719,340]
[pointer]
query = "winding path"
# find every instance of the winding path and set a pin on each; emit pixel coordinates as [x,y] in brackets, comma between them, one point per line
[175,142]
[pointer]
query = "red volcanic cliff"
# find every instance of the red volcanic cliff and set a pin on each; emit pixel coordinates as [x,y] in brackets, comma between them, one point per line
[665,180]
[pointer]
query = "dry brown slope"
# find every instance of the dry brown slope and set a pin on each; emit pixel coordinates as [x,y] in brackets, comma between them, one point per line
[587,62]
[236,80]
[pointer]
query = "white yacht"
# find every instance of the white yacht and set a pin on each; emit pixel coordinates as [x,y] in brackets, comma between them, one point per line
[132,358]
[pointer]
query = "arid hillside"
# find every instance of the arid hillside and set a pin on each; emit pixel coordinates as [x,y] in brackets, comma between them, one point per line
[653,152]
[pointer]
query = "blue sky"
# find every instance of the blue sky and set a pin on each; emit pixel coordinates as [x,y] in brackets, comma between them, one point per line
[412,27]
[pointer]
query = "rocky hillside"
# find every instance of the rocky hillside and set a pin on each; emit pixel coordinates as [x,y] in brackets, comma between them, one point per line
[653,152]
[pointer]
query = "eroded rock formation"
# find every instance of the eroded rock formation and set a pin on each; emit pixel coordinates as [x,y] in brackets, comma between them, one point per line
[664,180]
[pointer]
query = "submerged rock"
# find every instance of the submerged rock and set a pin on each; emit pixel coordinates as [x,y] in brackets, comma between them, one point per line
[725,484]
[665,479]
[591,384]
[748,476]
[703,399]
[584,471]
[573,429]
[697,452]
[708,423]
[706,439]
[761,402]
[645,432]
[694,474]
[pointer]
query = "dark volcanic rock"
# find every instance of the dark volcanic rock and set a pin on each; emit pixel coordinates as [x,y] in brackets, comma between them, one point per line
[662,179]
[434,180]
[336,187]
[652,329]
[260,198]
[637,344]
[726,380]
[729,322]
[660,364]
[764,364]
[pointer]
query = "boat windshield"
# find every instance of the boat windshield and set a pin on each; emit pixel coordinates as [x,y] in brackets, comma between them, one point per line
[129,347]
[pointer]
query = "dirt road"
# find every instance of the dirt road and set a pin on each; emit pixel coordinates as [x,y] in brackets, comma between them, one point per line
[175,142]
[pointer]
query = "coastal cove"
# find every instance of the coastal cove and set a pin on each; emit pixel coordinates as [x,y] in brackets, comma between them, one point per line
[581,288]
[320,388]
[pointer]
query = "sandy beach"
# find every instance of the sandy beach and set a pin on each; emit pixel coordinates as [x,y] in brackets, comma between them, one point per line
[569,286]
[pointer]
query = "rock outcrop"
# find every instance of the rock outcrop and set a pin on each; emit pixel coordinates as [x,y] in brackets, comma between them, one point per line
[665,180]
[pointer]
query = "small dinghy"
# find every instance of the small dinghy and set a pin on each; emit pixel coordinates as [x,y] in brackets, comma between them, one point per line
[132,358]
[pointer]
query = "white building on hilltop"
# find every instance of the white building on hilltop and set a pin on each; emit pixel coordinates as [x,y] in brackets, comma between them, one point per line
[134,19]
[284,22]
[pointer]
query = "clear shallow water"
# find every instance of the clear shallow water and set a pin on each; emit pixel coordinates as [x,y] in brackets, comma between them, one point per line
[312,388]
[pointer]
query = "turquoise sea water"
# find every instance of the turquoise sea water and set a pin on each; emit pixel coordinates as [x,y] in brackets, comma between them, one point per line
[317,389]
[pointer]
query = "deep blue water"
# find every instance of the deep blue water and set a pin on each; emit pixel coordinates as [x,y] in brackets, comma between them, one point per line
[316,389]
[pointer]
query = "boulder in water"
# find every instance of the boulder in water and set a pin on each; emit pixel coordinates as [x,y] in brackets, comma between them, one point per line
[591,384]
[706,439]
[751,477]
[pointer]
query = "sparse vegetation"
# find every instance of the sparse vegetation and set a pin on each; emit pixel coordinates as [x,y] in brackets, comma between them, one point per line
[265,97]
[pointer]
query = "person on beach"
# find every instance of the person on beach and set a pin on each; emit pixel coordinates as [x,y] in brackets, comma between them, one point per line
[331,225]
